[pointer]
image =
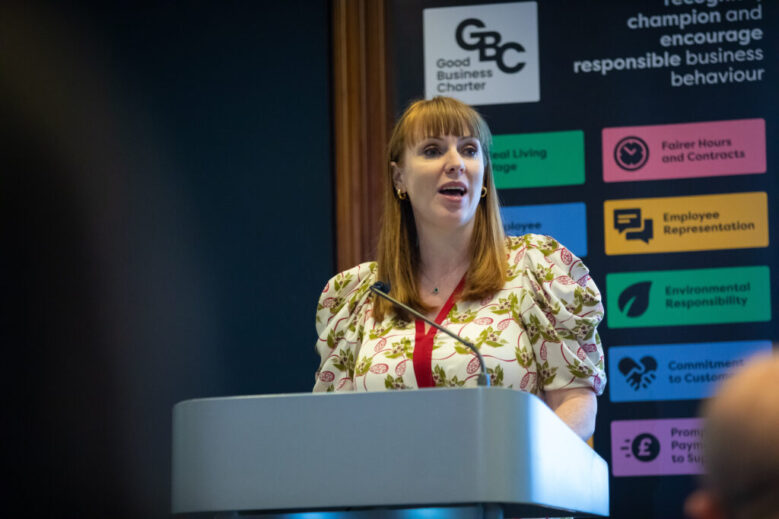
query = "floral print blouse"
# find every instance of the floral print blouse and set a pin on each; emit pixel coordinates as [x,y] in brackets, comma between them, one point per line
[538,333]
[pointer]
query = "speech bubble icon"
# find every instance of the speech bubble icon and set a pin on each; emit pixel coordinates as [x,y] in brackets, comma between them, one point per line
[645,234]
[627,219]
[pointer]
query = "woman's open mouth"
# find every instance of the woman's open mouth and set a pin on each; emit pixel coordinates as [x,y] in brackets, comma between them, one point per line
[453,190]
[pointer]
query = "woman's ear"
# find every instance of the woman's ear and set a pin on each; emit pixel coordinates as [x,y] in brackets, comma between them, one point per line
[397,176]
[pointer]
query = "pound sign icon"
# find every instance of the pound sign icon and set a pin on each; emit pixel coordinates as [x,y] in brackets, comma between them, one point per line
[645,447]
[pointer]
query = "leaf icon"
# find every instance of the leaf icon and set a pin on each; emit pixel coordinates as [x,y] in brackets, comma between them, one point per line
[634,300]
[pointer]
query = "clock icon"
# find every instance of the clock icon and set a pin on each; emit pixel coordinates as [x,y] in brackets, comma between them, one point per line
[631,153]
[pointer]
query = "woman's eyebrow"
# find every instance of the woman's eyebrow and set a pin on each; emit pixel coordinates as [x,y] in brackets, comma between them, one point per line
[427,141]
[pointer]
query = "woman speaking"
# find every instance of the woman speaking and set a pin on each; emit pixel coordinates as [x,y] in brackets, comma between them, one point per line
[526,302]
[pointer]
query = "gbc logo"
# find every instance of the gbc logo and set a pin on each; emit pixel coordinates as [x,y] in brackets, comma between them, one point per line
[473,53]
[485,41]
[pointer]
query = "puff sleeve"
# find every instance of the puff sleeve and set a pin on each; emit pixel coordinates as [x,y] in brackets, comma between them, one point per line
[560,308]
[341,314]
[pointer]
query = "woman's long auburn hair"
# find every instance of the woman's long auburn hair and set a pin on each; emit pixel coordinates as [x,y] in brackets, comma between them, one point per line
[398,250]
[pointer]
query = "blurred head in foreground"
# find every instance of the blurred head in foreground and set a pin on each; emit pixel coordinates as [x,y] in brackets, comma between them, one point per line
[741,447]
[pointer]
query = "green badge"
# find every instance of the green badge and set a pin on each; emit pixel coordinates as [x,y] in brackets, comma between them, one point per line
[538,159]
[686,297]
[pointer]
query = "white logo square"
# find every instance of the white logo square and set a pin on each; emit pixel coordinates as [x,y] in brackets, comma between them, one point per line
[482,54]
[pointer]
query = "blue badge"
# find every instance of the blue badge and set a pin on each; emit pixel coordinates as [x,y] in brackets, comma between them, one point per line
[566,223]
[675,371]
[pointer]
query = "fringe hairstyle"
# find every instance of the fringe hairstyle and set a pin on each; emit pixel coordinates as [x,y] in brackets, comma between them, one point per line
[398,251]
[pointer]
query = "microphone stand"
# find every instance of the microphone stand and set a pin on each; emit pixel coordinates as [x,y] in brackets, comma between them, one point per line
[380,288]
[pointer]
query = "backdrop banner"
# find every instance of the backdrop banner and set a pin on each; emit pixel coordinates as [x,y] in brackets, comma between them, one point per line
[642,136]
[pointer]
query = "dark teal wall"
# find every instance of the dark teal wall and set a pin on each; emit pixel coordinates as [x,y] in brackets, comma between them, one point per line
[167,226]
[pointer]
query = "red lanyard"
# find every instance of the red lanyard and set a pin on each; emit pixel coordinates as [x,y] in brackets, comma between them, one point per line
[423,342]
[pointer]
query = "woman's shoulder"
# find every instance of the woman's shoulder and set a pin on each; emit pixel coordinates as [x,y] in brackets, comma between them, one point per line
[345,288]
[540,242]
[351,279]
[538,251]
[537,245]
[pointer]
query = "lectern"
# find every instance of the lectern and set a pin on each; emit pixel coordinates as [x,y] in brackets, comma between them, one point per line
[434,453]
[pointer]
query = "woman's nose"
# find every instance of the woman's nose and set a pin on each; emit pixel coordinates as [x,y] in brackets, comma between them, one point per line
[454,162]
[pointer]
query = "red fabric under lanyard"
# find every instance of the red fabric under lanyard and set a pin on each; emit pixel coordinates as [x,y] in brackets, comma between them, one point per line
[423,342]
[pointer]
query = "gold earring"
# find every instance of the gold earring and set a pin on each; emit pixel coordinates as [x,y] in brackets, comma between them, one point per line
[401,195]
[483,192]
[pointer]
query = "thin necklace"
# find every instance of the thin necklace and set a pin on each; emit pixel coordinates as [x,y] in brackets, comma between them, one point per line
[435,290]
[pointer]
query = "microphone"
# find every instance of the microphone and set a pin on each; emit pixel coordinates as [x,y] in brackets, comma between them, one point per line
[382,289]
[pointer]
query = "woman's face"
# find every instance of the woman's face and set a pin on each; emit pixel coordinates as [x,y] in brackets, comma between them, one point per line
[443,177]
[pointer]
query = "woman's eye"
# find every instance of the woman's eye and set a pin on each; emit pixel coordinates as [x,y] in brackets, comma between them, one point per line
[470,151]
[431,151]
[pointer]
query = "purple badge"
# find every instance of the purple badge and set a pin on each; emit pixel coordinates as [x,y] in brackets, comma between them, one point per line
[656,447]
